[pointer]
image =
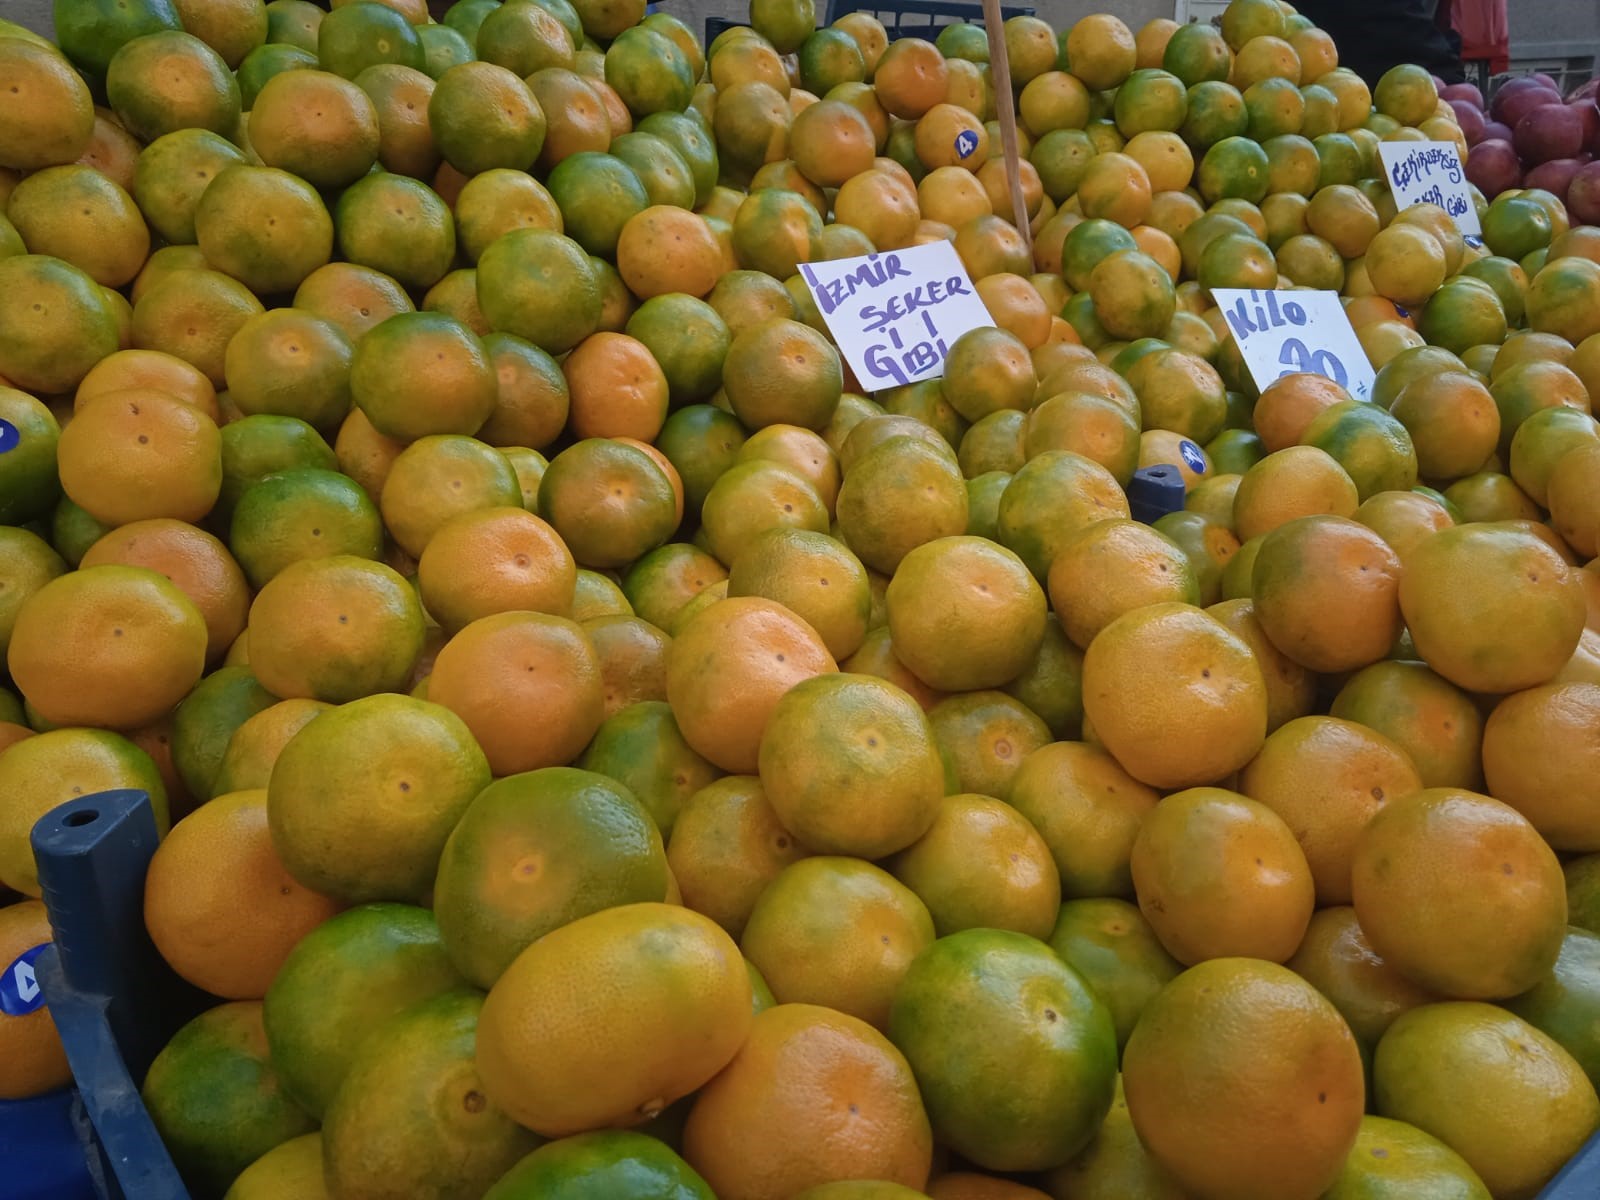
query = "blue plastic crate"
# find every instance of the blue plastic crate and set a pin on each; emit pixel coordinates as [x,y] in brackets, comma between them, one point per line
[42,1147]
[116,1004]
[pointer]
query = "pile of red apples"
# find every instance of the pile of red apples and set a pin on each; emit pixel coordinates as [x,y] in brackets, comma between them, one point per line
[1531,136]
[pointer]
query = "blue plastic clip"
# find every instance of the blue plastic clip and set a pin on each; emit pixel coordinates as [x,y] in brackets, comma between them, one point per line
[1153,492]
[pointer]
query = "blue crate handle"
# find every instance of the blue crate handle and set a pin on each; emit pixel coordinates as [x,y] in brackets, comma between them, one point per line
[113,999]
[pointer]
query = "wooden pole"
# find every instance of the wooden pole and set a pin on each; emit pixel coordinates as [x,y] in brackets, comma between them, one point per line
[1006,109]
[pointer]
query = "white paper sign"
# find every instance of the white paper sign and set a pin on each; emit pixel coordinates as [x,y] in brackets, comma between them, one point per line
[1284,333]
[896,314]
[1431,173]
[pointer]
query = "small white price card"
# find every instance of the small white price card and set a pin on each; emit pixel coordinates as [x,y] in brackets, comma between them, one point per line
[1431,173]
[1284,333]
[896,314]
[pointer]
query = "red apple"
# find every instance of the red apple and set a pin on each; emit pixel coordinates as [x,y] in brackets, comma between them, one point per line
[1554,176]
[1590,112]
[1463,91]
[1493,166]
[1547,80]
[1496,131]
[1584,91]
[1471,120]
[1526,101]
[1583,195]
[1549,132]
[1509,91]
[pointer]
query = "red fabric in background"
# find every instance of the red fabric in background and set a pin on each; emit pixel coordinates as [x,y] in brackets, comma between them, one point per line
[1485,33]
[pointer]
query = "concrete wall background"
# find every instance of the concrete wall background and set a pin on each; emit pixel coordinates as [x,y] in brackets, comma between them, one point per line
[35,14]
[1540,26]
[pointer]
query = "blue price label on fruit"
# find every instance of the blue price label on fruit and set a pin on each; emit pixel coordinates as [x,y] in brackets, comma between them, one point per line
[1430,173]
[1285,333]
[895,315]
[10,438]
[20,993]
[1193,457]
[966,143]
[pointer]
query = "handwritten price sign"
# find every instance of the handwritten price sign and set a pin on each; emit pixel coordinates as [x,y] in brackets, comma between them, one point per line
[1431,173]
[895,315]
[1286,333]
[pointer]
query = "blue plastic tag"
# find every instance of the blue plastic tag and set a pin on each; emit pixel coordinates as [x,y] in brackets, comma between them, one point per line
[1194,458]
[10,439]
[20,993]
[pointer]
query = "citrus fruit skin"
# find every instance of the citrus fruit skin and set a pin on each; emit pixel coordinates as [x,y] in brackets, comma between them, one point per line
[1115,1163]
[1560,1004]
[48,349]
[342,983]
[255,745]
[217,1099]
[799,1060]
[29,482]
[216,861]
[964,592]
[859,1189]
[1433,721]
[590,1166]
[35,1060]
[291,1168]
[483,675]
[41,772]
[81,215]
[1325,590]
[673,1017]
[641,747]
[269,530]
[30,564]
[266,373]
[727,845]
[1111,945]
[981,865]
[539,285]
[1534,750]
[1014,1055]
[1392,1159]
[112,647]
[1522,1105]
[335,629]
[1460,893]
[1191,871]
[1327,778]
[849,764]
[1456,578]
[266,257]
[370,825]
[535,851]
[728,667]
[1203,1111]
[59,120]
[1210,725]
[838,929]
[410,1117]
